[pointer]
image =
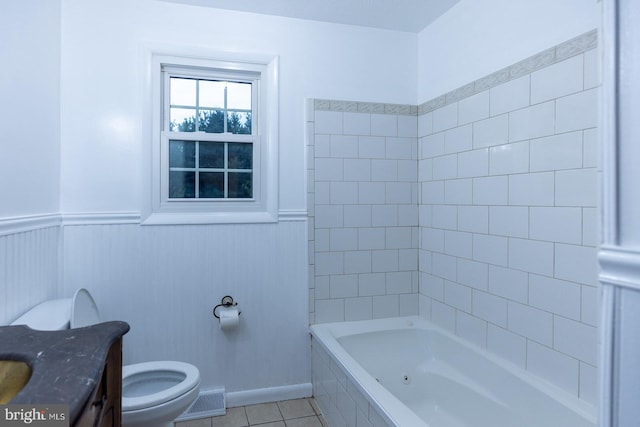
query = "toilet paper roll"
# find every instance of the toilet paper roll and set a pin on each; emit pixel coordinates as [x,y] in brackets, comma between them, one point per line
[229,318]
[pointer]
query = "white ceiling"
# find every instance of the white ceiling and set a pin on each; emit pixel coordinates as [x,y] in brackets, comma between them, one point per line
[400,15]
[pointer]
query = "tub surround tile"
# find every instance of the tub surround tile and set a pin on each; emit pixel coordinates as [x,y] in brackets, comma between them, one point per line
[557,152]
[560,79]
[576,339]
[445,117]
[553,366]
[490,308]
[365,197]
[489,190]
[491,131]
[532,323]
[589,305]
[591,69]
[576,263]
[509,345]
[510,96]
[509,158]
[575,187]
[589,383]
[473,108]
[532,189]
[511,221]
[471,328]
[508,283]
[556,296]
[532,122]
[577,112]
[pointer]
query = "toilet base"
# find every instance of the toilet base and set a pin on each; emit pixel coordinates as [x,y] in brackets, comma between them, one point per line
[160,415]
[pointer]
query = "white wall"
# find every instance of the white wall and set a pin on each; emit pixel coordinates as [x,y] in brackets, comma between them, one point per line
[476,38]
[103,85]
[29,154]
[165,280]
[30,108]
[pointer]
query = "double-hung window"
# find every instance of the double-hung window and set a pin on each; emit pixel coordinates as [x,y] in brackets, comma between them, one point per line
[214,144]
[209,134]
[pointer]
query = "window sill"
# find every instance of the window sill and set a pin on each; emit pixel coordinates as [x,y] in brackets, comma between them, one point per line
[200,218]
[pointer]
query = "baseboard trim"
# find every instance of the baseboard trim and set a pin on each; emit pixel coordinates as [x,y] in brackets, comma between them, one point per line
[270,394]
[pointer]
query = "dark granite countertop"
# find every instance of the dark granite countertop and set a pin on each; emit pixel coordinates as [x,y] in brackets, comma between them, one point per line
[65,365]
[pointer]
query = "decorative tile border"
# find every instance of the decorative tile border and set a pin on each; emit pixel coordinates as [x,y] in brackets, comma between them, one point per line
[540,60]
[365,107]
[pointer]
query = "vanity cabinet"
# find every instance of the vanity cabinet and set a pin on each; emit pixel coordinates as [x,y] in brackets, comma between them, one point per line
[80,367]
[104,407]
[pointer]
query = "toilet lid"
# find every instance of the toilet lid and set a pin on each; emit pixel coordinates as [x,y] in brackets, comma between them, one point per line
[84,311]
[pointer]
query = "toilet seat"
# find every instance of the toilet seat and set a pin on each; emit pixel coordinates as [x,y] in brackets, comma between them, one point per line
[171,378]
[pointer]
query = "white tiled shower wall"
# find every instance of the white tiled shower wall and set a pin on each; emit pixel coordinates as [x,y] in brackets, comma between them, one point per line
[506,195]
[363,211]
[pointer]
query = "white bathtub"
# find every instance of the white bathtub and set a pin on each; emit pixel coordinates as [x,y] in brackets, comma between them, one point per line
[407,372]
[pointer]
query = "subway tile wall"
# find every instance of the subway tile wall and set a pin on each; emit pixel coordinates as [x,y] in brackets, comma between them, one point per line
[363,205]
[508,220]
[481,205]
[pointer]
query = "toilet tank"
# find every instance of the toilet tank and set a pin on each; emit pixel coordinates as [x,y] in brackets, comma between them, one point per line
[51,315]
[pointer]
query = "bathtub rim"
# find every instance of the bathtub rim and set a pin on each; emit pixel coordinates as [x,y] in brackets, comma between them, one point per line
[327,335]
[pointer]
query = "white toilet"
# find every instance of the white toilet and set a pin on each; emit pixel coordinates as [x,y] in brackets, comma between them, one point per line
[153,393]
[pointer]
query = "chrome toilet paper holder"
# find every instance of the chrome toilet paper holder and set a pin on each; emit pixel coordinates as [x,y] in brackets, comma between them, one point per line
[227,301]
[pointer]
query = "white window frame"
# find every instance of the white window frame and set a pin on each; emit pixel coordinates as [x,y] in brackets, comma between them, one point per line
[262,207]
[167,135]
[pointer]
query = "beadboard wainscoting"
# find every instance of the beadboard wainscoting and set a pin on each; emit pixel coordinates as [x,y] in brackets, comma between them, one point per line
[165,280]
[29,256]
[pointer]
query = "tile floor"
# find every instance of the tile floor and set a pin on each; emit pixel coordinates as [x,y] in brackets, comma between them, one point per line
[287,413]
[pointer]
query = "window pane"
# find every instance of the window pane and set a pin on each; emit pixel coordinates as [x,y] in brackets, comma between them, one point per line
[182,185]
[211,121]
[239,96]
[240,185]
[211,185]
[212,155]
[183,92]
[182,154]
[239,122]
[182,120]
[211,94]
[240,156]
